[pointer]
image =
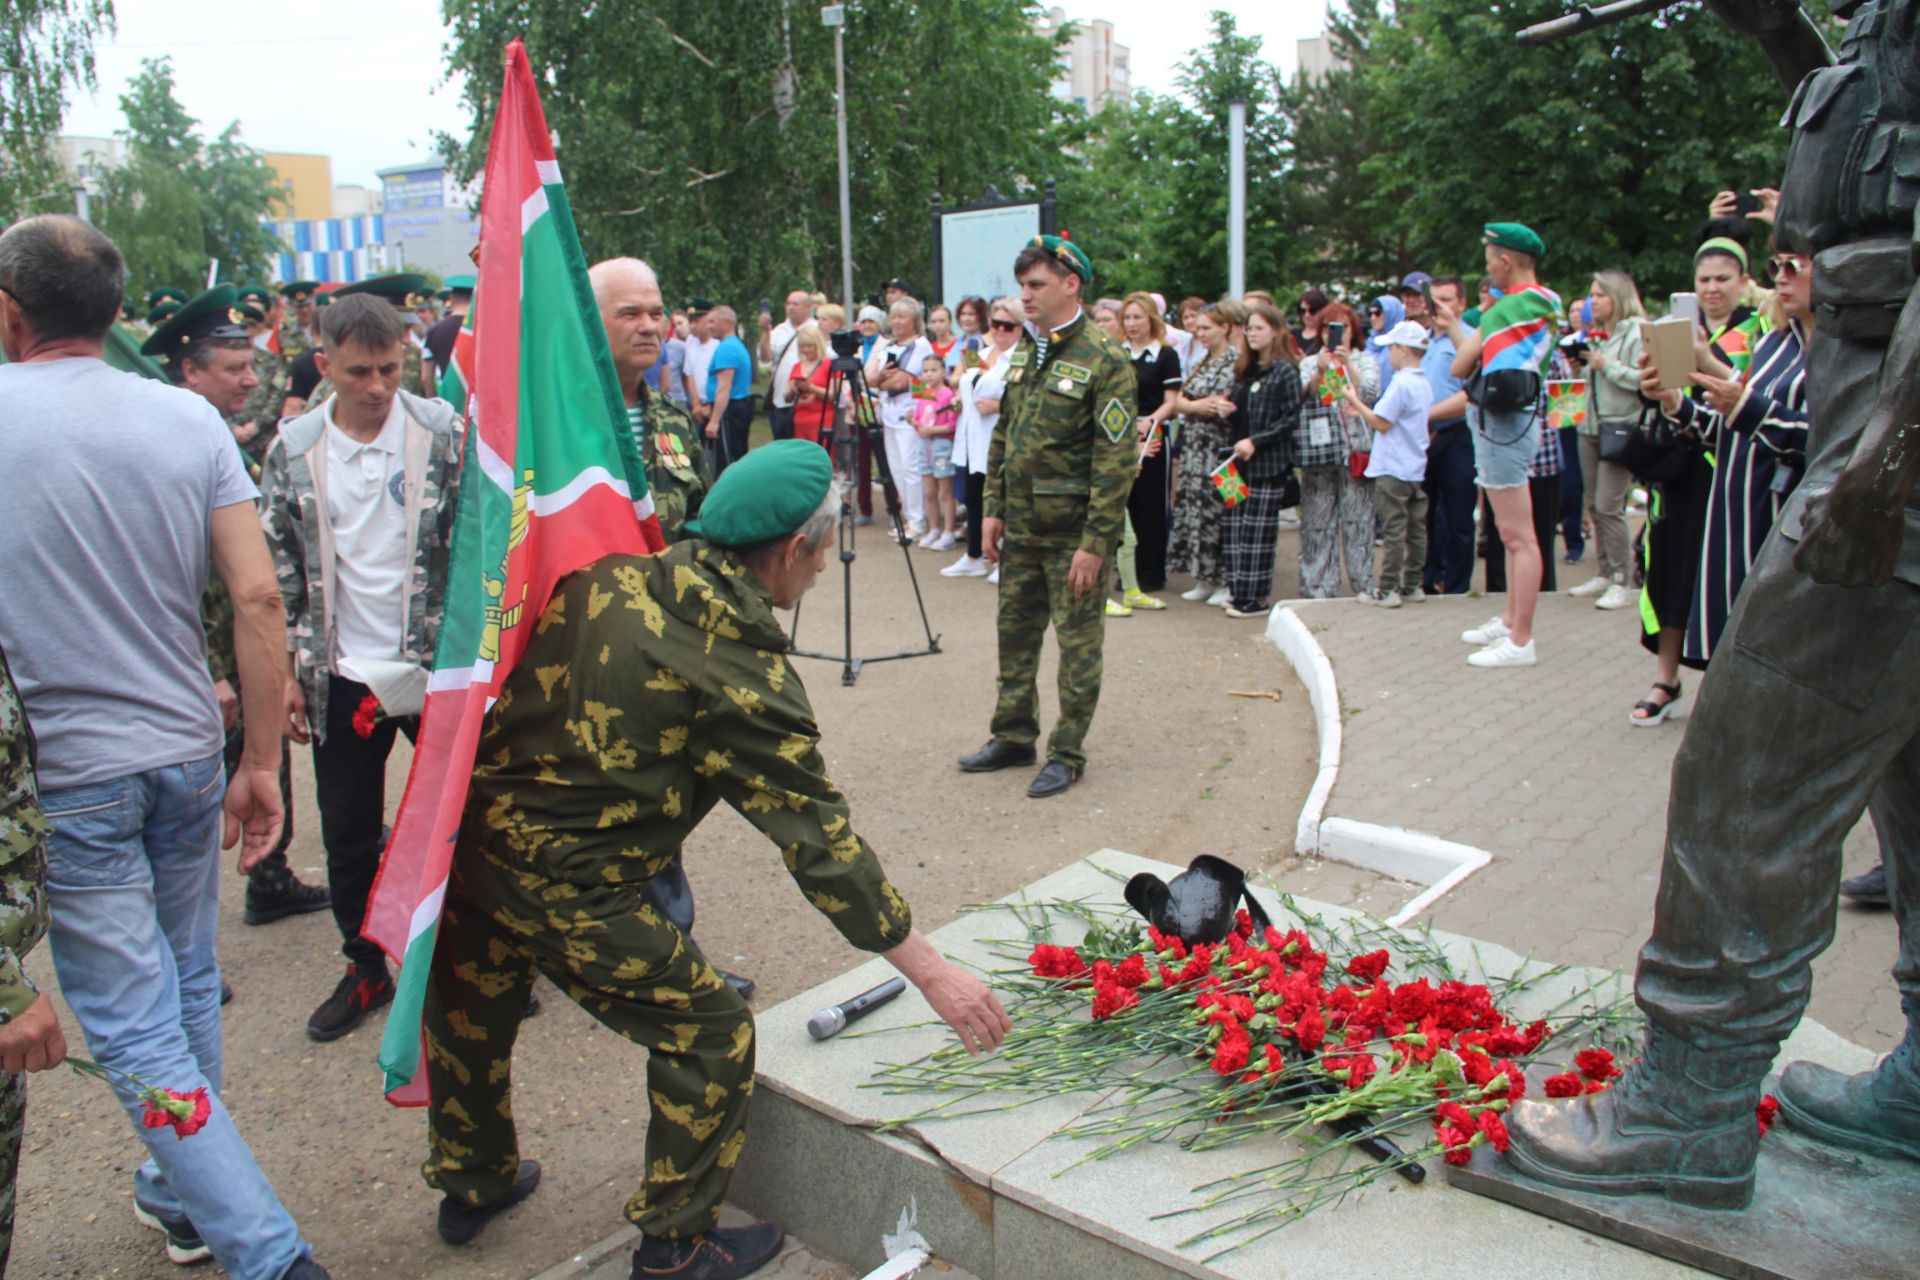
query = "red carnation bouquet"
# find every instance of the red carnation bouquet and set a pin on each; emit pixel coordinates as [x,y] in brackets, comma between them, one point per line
[1315,1032]
[185,1113]
[368,714]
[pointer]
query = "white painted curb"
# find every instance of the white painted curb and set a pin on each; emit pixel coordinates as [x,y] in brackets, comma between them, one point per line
[1393,851]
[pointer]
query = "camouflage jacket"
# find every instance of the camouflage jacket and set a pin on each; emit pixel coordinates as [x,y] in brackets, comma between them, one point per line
[302,540]
[263,406]
[671,450]
[1064,452]
[294,340]
[655,687]
[23,852]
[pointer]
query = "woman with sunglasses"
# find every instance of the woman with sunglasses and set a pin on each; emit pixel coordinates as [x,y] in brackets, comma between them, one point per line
[978,392]
[1383,313]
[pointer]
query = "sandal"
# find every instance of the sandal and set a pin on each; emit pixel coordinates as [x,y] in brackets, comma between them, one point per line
[1657,712]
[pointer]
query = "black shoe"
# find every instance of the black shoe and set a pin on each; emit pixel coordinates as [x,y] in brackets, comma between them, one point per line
[460,1223]
[744,986]
[282,895]
[1052,780]
[307,1269]
[226,993]
[358,994]
[724,1253]
[997,755]
[1869,888]
[184,1245]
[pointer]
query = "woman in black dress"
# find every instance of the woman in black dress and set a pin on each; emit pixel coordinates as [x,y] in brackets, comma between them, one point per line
[1156,371]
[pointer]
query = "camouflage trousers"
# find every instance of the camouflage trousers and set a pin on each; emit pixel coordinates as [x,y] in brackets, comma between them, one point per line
[1033,593]
[13,1123]
[618,958]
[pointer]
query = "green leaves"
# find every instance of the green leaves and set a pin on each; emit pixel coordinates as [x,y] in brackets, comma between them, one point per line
[48,50]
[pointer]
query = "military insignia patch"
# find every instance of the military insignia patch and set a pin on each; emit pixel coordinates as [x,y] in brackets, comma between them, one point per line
[1115,419]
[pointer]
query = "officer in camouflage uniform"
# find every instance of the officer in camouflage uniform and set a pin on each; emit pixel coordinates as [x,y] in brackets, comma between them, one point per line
[1058,474]
[262,411]
[299,326]
[35,1041]
[653,689]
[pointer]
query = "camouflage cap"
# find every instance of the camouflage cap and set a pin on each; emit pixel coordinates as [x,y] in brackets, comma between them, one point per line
[766,495]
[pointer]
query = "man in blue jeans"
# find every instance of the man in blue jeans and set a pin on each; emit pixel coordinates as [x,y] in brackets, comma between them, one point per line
[139,490]
[1449,482]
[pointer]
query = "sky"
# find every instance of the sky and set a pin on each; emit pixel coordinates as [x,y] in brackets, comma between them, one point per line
[280,73]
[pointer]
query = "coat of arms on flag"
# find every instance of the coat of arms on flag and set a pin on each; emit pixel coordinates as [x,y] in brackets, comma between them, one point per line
[1227,482]
[1566,402]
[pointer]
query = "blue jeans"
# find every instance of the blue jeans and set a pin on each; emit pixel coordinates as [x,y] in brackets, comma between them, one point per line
[1449,483]
[133,880]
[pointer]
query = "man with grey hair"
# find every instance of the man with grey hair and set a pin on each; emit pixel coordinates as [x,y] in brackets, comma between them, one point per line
[359,512]
[101,624]
[702,708]
[726,413]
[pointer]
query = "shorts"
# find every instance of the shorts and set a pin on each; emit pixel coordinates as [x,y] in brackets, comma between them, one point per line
[936,457]
[1504,445]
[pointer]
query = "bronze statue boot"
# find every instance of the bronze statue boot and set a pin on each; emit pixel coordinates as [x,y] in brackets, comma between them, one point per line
[1679,1124]
[1875,1111]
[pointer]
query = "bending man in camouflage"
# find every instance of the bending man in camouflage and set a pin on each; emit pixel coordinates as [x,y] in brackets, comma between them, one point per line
[655,688]
[1058,474]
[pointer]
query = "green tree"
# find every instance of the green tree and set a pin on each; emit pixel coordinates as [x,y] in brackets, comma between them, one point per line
[701,137]
[179,201]
[1150,203]
[46,49]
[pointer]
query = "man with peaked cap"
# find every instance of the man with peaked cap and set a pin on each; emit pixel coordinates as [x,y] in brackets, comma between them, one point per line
[1058,475]
[618,732]
[206,348]
[300,330]
[458,295]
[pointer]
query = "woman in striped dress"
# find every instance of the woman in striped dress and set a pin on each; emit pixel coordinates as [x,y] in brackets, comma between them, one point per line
[1754,428]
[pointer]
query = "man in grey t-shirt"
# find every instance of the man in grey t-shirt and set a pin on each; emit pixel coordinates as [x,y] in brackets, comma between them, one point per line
[132,491]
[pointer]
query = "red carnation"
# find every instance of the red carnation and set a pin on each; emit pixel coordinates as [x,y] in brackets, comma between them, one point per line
[1110,998]
[1132,971]
[1310,1031]
[1495,1128]
[1233,1051]
[1049,961]
[1459,1145]
[1596,1064]
[1565,1085]
[1599,1086]
[366,716]
[1242,924]
[1766,1113]
[1452,1113]
[1369,966]
[1413,1001]
[185,1113]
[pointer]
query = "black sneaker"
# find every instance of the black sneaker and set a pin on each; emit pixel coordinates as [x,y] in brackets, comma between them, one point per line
[184,1245]
[358,994]
[274,893]
[724,1253]
[461,1222]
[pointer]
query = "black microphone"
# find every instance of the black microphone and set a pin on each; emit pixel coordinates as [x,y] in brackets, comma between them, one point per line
[833,1019]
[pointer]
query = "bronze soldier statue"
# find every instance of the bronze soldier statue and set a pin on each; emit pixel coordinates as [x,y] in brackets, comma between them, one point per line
[1810,712]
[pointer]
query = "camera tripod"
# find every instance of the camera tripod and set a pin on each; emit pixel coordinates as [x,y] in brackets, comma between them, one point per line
[862,424]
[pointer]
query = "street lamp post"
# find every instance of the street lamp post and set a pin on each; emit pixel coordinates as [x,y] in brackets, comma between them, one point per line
[1237,197]
[835,16]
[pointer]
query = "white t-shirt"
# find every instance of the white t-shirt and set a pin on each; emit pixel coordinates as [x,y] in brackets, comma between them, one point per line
[975,434]
[1401,451]
[786,357]
[896,407]
[105,540]
[366,506]
[699,356]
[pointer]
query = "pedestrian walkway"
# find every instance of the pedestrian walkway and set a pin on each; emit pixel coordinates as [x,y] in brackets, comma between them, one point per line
[1540,768]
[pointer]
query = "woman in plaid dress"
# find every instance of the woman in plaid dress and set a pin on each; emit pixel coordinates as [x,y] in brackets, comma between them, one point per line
[1266,397]
[1205,402]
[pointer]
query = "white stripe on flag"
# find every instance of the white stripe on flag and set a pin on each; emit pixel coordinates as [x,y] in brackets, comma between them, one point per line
[533,209]
[427,914]
[546,504]
[495,467]
[454,679]
[549,171]
[644,507]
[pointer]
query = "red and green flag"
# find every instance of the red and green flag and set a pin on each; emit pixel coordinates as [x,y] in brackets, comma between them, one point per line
[1228,483]
[1566,402]
[551,481]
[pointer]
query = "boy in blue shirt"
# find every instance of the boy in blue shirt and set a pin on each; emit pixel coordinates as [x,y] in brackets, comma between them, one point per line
[1398,465]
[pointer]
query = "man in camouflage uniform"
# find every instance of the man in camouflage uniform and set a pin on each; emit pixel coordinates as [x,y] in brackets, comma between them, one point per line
[208,352]
[260,416]
[30,1035]
[299,324]
[654,688]
[1058,474]
[359,498]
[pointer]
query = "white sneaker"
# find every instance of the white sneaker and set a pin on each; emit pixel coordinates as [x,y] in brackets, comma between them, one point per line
[1385,599]
[966,567]
[1290,518]
[1592,586]
[1200,591]
[1504,653]
[915,532]
[1615,597]
[994,577]
[944,542]
[1487,632]
[1221,598]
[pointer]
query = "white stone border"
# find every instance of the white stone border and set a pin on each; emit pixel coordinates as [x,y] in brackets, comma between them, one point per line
[1393,851]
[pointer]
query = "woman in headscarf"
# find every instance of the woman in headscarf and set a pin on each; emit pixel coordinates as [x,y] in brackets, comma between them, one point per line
[1383,313]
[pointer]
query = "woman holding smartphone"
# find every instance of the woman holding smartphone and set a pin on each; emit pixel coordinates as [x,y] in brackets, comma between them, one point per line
[1336,504]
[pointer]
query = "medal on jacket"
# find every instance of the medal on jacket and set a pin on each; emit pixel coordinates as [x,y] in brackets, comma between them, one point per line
[667,445]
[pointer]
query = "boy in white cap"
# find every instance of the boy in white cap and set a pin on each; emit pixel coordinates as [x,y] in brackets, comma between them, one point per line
[1398,465]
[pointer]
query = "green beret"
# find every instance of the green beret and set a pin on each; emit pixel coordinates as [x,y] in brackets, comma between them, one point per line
[698,306]
[1517,236]
[1071,255]
[462,283]
[766,495]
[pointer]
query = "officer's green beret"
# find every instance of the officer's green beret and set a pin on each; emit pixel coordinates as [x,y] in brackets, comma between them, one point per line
[1071,255]
[211,315]
[766,495]
[258,295]
[299,290]
[165,293]
[698,306]
[1517,236]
